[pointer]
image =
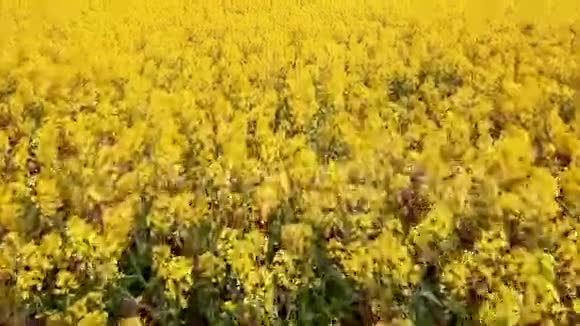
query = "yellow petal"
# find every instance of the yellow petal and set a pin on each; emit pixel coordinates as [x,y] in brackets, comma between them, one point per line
[133,321]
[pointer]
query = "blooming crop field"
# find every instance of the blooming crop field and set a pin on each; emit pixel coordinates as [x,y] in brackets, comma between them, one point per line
[289,162]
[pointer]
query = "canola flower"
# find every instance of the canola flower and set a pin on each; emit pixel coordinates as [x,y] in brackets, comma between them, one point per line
[303,162]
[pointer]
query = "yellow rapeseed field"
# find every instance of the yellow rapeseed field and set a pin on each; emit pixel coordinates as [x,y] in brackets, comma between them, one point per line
[290,162]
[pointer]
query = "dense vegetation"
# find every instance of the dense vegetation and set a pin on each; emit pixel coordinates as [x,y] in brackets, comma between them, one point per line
[290,162]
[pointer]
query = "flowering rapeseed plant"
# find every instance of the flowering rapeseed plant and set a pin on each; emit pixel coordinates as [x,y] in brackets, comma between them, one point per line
[303,162]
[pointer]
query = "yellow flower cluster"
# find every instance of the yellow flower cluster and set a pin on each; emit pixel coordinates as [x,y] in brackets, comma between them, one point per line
[308,161]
